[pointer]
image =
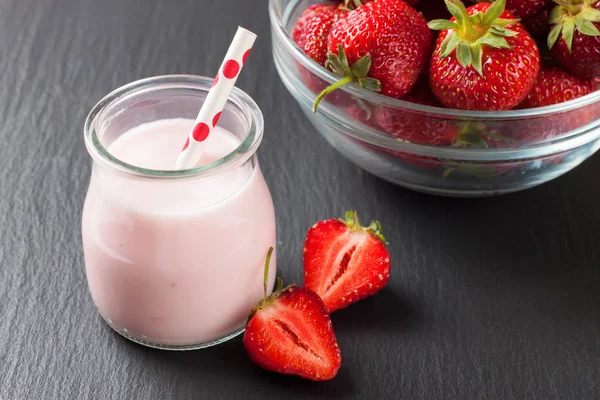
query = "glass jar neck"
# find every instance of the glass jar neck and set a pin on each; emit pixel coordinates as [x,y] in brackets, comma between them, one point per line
[165,97]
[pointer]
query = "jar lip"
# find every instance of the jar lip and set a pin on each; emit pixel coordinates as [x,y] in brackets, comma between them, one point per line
[245,150]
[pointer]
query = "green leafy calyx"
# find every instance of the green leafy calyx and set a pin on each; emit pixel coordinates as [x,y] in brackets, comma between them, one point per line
[475,134]
[355,73]
[374,228]
[571,15]
[470,33]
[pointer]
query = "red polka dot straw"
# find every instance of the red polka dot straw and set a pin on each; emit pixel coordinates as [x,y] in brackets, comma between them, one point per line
[217,98]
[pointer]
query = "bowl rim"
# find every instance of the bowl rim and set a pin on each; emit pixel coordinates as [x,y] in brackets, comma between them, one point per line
[380,99]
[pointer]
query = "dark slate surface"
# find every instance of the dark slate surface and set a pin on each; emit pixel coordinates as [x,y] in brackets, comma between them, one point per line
[489,299]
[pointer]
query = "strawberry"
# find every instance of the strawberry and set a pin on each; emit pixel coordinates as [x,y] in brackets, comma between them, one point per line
[554,86]
[362,112]
[290,332]
[413,126]
[577,22]
[310,34]
[382,45]
[529,131]
[344,262]
[313,27]
[352,4]
[483,58]
[523,8]
[537,25]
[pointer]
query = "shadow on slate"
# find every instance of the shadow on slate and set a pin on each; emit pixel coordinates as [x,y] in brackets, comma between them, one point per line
[387,311]
[494,243]
[339,388]
[230,359]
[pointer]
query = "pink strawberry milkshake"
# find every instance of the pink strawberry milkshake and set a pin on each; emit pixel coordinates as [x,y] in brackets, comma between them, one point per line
[174,261]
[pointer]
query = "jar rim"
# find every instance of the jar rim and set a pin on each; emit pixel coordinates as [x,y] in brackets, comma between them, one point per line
[238,99]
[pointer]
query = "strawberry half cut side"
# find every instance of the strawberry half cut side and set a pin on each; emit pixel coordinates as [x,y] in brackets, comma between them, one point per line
[290,332]
[345,262]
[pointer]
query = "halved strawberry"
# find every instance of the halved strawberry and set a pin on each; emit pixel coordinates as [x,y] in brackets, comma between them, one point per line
[345,262]
[290,332]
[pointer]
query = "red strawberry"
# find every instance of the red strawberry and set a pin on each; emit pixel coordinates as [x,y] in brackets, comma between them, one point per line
[382,45]
[344,262]
[483,59]
[310,34]
[313,27]
[427,129]
[421,94]
[554,86]
[523,8]
[547,127]
[290,332]
[537,25]
[363,112]
[352,4]
[414,126]
[526,8]
[577,22]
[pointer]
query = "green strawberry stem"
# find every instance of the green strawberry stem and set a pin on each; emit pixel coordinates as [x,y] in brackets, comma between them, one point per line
[569,15]
[266,278]
[329,89]
[470,34]
[267,300]
[355,73]
[374,229]
[352,220]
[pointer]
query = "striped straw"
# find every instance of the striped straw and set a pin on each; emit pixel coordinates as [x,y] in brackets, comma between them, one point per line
[217,97]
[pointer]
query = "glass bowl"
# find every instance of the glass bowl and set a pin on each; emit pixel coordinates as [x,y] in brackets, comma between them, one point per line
[474,154]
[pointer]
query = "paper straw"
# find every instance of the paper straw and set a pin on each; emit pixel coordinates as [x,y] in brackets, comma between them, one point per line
[217,97]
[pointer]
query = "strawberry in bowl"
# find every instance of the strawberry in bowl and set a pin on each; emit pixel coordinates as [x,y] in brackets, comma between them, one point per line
[382,46]
[482,70]
[310,34]
[484,59]
[575,36]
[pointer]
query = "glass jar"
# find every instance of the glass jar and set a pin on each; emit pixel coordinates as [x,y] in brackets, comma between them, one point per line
[175,259]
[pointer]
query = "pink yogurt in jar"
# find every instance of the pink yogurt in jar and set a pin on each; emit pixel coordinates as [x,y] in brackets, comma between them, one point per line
[175,259]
